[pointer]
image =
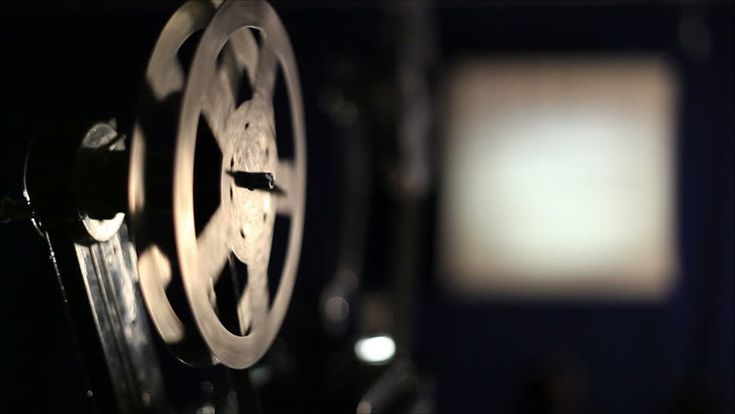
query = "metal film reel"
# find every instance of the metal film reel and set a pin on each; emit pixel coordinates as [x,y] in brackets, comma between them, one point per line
[245,135]
[242,226]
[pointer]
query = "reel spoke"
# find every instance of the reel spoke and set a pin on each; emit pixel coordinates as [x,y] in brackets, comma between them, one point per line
[219,105]
[244,313]
[284,177]
[265,75]
[246,54]
[212,246]
[258,294]
[253,306]
[155,275]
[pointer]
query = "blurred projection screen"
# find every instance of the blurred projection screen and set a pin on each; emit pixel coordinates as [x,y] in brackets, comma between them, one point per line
[558,179]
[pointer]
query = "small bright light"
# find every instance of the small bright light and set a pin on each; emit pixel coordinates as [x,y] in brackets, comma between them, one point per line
[375,350]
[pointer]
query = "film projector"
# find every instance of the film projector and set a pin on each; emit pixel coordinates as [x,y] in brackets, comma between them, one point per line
[143,255]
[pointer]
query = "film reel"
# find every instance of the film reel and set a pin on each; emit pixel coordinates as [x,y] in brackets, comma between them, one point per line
[243,224]
[255,184]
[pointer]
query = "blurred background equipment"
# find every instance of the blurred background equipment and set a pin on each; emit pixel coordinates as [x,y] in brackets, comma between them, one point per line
[511,208]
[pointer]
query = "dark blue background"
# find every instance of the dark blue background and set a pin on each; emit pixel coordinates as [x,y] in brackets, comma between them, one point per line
[85,62]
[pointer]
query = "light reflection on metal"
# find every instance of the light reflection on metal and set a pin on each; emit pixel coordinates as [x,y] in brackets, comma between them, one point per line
[100,141]
[375,350]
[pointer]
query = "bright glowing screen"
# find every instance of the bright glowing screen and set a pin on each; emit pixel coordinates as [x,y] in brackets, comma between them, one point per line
[558,178]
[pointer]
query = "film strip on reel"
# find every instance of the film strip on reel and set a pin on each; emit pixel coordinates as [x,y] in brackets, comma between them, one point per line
[186,251]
